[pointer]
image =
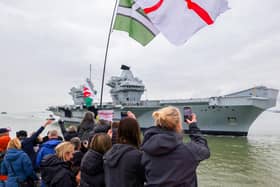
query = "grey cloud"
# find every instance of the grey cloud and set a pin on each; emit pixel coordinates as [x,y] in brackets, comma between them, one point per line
[46,48]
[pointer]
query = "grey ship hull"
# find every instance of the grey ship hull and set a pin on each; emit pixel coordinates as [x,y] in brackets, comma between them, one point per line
[232,114]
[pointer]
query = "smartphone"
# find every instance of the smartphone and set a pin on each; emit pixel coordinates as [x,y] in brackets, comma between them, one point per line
[187,113]
[52,118]
[123,114]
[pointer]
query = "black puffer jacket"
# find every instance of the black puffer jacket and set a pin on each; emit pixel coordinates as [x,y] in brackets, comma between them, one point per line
[98,129]
[84,130]
[92,172]
[122,166]
[66,134]
[57,173]
[170,162]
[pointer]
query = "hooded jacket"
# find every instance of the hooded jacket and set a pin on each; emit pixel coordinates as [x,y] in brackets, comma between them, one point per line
[57,173]
[170,162]
[46,149]
[122,166]
[21,167]
[92,172]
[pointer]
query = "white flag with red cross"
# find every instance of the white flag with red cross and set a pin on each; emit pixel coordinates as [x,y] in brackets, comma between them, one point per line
[178,20]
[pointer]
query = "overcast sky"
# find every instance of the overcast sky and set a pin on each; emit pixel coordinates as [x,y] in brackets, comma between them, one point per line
[46,48]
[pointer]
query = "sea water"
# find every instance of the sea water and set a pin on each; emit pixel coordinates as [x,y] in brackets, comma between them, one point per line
[235,161]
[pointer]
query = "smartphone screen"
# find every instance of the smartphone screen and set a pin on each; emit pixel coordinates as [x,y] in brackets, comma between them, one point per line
[187,113]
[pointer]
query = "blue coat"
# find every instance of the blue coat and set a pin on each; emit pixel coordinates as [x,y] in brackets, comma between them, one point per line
[46,149]
[21,164]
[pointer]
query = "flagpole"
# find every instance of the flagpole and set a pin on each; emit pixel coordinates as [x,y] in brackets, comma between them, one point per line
[106,52]
[90,72]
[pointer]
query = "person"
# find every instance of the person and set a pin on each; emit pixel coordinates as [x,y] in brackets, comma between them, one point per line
[17,165]
[56,169]
[84,146]
[114,131]
[77,156]
[69,133]
[4,140]
[87,125]
[122,163]
[28,143]
[46,138]
[163,146]
[48,147]
[92,172]
[103,126]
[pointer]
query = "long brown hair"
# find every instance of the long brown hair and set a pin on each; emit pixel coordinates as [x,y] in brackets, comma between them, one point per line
[88,117]
[129,132]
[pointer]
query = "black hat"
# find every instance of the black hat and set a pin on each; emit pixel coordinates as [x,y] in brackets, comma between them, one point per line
[4,130]
[21,133]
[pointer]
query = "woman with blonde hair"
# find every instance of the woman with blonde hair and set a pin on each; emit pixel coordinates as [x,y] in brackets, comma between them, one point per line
[166,159]
[56,169]
[18,166]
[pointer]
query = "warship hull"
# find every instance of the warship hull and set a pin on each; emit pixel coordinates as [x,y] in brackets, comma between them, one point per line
[231,114]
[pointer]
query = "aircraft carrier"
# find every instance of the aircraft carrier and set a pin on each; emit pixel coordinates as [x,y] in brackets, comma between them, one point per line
[230,114]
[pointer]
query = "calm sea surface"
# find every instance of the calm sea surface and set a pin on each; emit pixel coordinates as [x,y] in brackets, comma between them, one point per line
[235,161]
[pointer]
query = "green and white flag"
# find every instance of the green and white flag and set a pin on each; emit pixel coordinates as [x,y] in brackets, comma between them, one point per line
[132,19]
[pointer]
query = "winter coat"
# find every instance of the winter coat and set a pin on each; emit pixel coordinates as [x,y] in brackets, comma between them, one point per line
[92,172]
[76,161]
[57,173]
[98,129]
[66,134]
[46,149]
[170,162]
[84,130]
[21,167]
[122,166]
[29,143]
[102,128]
[4,140]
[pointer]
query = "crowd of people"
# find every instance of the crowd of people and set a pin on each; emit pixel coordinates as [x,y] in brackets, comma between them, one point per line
[103,153]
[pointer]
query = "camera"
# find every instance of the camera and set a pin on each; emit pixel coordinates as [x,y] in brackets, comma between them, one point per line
[187,113]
